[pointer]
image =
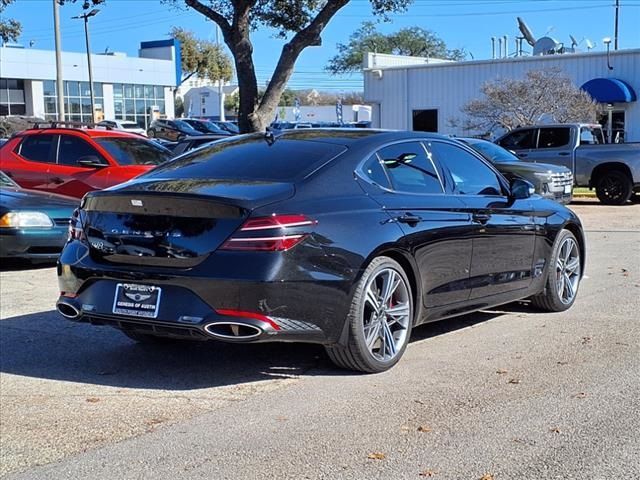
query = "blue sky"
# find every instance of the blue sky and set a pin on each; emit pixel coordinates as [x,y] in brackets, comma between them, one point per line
[468,24]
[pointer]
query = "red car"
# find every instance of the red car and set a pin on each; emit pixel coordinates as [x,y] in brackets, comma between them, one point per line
[74,161]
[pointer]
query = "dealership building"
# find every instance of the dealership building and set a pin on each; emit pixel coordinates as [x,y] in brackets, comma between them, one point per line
[411,93]
[128,88]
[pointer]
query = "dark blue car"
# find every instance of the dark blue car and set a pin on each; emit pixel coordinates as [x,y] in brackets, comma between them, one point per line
[33,225]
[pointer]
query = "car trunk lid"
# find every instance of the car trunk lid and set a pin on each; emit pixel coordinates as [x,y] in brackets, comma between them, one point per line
[176,223]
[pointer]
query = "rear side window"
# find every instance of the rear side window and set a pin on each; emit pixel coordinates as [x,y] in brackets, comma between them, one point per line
[519,139]
[373,169]
[251,158]
[554,137]
[73,149]
[39,148]
[469,174]
[410,169]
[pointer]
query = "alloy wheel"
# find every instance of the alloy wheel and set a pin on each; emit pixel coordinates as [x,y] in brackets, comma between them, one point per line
[387,314]
[568,270]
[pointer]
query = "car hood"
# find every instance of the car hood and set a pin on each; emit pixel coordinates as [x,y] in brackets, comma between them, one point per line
[56,206]
[525,167]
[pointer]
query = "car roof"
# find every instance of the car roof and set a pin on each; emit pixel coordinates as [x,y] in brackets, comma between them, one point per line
[89,132]
[354,136]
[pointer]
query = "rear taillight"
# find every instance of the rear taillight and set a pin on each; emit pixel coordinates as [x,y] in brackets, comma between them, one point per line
[76,232]
[275,233]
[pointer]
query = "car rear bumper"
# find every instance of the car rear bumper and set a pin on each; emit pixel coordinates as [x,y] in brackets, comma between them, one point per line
[45,244]
[215,300]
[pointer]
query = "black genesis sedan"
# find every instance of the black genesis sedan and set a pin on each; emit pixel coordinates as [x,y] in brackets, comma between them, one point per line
[348,238]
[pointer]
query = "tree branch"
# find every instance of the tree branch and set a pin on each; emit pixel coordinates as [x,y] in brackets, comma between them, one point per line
[210,13]
[310,35]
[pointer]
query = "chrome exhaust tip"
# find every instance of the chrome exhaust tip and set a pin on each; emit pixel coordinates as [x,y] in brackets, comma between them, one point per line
[67,310]
[233,330]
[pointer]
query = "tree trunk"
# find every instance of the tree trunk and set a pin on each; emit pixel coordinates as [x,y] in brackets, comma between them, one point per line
[248,121]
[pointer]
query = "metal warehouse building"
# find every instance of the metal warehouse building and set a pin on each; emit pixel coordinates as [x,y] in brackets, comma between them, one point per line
[127,88]
[423,94]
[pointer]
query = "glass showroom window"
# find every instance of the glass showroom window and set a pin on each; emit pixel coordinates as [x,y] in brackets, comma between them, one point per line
[135,102]
[12,97]
[77,100]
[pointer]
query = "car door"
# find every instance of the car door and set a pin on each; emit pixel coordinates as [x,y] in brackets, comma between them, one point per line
[32,158]
[521,141]
[554,146]
[69,174]
[435,226]
[503,232]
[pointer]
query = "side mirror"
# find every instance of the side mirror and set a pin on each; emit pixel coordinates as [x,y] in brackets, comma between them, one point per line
[521,189]
[92,161]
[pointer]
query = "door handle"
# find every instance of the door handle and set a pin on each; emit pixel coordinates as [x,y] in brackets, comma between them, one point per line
[409,219]
[57,180]
[522,155]
[481,217]
[564,154]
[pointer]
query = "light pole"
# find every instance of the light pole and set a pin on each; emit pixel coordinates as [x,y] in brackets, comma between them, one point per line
[59,83]
[86,17]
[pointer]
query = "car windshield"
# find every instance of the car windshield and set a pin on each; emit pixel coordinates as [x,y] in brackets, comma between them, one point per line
[181,124]
[134,151]
[129,125]
[492,152]
[6,182]
[229,127]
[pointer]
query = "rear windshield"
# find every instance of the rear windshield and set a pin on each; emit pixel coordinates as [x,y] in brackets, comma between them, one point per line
[251,158]
[134,151]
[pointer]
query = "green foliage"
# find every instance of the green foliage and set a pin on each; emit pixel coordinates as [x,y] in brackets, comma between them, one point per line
[301,22]
[10,29]
[413,41]
[232,103]
[178,107]
[201,57]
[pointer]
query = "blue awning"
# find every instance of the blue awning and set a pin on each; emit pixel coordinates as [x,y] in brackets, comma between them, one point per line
[609,90]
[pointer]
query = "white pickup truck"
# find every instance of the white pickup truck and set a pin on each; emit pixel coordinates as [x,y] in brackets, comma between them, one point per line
[612,169]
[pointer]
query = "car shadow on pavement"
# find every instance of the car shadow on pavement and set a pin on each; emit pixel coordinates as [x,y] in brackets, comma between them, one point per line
[44,345]
[13,264]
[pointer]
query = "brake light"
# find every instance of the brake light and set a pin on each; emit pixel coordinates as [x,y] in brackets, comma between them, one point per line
[76,232]
[275,233]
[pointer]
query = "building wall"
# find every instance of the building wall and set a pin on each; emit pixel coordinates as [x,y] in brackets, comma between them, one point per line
[448,86]
[158,65]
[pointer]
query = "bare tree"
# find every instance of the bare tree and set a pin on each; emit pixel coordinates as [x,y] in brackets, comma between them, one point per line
[510,103]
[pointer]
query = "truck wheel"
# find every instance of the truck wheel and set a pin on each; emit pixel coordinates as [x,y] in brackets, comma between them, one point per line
[614,188]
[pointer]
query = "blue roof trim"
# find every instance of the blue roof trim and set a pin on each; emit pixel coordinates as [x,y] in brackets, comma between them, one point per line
[171,42]
[610,90]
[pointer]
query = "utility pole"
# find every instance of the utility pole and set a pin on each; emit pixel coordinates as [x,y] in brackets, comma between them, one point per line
[220,97]
[86,17]
[615,32]
[59,83]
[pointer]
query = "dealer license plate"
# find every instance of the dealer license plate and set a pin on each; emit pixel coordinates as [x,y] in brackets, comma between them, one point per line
[567,189]
[137,300]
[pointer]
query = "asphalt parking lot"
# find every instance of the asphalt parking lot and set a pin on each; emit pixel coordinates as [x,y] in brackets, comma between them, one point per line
[510,393]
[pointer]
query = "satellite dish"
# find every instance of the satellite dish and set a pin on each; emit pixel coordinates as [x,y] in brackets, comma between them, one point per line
[526,32]
[574,42]
[589,44]
[546,46]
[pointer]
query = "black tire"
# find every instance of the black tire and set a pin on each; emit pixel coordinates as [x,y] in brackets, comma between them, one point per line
[151,133]
[614,188]
[149,339]
[550,299]
[356,355]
